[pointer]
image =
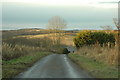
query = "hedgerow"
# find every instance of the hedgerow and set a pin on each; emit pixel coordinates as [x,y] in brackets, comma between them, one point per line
[90,38]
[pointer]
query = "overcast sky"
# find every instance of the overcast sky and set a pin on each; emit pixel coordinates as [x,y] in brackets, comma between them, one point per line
[79,14]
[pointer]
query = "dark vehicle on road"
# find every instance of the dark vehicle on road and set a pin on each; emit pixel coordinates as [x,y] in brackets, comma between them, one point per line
[65,51]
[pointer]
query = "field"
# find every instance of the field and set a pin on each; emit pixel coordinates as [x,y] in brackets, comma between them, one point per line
[21,48]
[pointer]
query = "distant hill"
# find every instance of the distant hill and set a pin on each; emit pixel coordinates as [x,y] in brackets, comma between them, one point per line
[29,31]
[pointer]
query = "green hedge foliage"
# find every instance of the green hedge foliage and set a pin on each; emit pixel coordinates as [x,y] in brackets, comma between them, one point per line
[90,38]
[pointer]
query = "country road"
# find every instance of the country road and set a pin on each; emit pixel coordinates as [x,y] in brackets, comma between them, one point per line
[54,66]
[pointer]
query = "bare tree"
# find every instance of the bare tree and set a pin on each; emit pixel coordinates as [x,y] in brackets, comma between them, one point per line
[107,27]
[117,23]
[117,37]
[57,24]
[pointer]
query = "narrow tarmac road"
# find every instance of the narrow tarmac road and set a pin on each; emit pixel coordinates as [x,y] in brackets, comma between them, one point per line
[54,66]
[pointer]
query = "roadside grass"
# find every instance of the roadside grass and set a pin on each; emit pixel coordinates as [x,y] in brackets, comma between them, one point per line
[13,67]
[95,68]
[103,54]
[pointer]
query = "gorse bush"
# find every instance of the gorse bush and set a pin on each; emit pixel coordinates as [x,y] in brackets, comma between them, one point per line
[90,38]
[83,38]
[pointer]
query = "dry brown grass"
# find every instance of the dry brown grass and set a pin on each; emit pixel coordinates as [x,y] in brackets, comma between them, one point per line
[67,39]
[104,54]
[36,36]
[21,45]
[9,52]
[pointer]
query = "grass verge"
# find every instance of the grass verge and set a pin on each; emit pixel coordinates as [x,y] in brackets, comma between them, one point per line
[96,69]
[13,67]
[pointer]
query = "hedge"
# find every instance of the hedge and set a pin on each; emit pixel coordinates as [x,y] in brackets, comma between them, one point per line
[90,38]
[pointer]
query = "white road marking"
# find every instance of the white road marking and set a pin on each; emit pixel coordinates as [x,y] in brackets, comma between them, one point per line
[70,69]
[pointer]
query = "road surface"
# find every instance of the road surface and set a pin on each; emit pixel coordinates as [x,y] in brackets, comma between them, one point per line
[54,66]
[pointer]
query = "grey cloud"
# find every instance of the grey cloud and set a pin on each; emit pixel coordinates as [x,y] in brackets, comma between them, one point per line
[113,2]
